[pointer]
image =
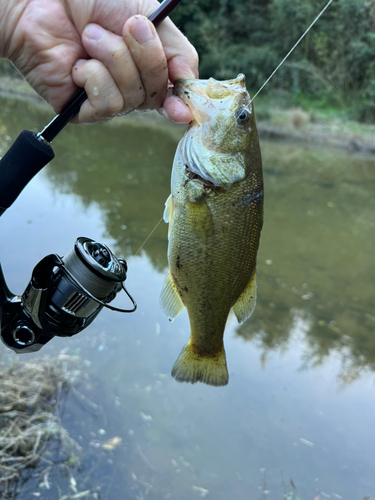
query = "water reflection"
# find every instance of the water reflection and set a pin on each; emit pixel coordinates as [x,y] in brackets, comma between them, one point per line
[125,171]
[317,256]
[316,253]
[317,246]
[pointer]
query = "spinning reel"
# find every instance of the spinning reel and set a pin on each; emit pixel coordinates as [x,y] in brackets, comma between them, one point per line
[63,296]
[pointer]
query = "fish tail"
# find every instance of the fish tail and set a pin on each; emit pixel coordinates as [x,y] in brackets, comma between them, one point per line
[193,367]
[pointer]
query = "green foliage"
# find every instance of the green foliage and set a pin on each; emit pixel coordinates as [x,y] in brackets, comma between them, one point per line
[335,61]
[7,69]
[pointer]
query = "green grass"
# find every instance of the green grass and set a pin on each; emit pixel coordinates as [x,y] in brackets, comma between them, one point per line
[323,114]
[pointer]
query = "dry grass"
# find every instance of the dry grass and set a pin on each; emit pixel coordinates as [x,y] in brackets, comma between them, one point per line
[29,396]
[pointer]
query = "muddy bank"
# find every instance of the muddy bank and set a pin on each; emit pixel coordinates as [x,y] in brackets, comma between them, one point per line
[350,143]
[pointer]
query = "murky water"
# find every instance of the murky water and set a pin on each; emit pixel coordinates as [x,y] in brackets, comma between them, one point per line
[300,402]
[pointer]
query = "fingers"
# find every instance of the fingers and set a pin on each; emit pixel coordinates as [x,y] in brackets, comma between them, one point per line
[181,55]
[132,68]
[131,71]
[148,55]
[177,110]
[104,98]
[112,51]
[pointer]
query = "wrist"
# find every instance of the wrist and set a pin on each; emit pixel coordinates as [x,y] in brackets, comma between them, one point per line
[11,11]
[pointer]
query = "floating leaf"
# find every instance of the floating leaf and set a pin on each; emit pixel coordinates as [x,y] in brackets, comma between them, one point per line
[112,443]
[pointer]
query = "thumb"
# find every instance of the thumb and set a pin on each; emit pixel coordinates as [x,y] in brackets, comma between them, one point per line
[181,56]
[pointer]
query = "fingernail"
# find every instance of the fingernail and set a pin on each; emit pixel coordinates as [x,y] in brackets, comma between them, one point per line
[78,62]
[95,32]
[141,30]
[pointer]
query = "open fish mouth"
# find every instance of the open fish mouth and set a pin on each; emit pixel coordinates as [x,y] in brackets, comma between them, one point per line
[194,176]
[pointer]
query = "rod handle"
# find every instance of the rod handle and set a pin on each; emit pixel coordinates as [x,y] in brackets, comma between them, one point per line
[25,158]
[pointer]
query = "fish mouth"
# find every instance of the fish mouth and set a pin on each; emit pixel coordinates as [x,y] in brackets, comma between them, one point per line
[197,94]
[194,96]
[194,176]
[180,90]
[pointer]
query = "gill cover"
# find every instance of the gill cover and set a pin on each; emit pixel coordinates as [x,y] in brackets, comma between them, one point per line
[216,144]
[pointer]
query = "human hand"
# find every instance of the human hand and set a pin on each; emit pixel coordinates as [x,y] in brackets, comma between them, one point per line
[108,47]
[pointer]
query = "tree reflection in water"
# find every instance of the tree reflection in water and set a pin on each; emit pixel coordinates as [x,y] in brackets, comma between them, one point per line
[315,264]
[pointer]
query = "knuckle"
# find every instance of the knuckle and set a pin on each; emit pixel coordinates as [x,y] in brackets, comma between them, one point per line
[114,54]
[116,104]
[90,69]
[135,99]
[158,70]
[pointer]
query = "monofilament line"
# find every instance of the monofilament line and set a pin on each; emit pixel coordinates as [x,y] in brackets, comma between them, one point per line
[143,244]
[294,46]
[261,88]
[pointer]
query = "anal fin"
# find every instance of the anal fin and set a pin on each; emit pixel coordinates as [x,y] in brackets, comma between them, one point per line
[245,304]
[170,300]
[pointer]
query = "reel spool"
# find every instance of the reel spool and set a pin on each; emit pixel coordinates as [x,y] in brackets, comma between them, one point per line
[63,296]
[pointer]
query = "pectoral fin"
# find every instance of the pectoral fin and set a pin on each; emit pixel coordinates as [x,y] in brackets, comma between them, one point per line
[245,304]
[170,300]
[168,211]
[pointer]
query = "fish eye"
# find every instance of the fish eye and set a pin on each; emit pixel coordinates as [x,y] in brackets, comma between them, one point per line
[242,115]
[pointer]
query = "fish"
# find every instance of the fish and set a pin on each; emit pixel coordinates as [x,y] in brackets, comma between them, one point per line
[215,217]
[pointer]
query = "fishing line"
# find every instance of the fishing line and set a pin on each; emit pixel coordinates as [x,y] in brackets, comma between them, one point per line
[143,244]
[292,49]
[261,88]
[286,57]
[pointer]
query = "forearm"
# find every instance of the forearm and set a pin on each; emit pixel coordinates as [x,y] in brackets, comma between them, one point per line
[10,13]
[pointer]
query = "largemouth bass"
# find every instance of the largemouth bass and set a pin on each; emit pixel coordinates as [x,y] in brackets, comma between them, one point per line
[215,215]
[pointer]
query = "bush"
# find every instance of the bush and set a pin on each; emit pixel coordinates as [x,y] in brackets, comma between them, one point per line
[336,57]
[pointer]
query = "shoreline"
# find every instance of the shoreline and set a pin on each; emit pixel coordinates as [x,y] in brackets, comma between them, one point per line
[288,125]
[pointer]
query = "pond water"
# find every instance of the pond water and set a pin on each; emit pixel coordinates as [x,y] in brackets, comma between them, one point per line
[297,415]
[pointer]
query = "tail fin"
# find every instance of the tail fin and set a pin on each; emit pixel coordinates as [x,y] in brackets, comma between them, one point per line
[191,367]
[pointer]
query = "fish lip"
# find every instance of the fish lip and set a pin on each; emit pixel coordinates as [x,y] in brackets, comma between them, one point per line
[189,95]
[179,89]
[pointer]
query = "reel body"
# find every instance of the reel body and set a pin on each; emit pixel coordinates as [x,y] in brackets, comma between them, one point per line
[63,296]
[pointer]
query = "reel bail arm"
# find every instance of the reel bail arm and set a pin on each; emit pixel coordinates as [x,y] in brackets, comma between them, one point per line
[63,296]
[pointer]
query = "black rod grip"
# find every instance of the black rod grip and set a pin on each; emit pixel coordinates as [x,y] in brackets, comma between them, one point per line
[21,162]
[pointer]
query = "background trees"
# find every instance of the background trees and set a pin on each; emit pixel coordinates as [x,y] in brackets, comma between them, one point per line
[335,63]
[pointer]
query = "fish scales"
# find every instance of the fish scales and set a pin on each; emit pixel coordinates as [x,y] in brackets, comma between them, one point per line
[215,215]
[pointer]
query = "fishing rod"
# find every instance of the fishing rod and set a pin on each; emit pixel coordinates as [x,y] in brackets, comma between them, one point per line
[64,294]
[31,152]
